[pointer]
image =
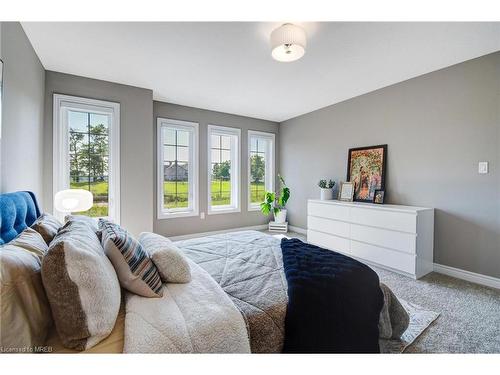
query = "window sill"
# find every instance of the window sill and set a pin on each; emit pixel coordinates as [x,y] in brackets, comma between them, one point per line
[253,207]
[175,215]
[228,210]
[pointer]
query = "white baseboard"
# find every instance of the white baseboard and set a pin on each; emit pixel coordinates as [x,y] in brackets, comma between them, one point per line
[204,234]
[297,229]
[477,278]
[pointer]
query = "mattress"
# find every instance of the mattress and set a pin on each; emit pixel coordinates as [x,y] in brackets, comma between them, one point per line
[249,267]
[111,345]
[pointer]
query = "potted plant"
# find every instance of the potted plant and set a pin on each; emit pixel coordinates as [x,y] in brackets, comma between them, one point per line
[326,189]
[276,202]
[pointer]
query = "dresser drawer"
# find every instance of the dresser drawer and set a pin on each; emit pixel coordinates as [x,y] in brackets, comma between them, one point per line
[337,228]
[394,220]
[328,211]
[386,238]
[328,241]
[386,257]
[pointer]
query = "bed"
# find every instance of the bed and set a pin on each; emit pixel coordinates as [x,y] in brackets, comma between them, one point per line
[113,344]
[245,272]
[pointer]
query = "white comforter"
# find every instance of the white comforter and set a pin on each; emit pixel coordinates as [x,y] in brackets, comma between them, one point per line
[197,317]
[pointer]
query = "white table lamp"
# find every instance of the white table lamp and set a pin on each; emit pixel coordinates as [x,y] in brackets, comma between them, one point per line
[73,200]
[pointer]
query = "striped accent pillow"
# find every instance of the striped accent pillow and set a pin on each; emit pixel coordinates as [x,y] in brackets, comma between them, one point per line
[136,271]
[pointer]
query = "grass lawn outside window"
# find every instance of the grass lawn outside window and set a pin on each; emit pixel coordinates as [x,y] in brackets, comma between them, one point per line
[172,200]
[99,190]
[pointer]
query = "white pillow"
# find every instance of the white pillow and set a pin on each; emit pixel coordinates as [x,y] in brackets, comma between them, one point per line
[168,258]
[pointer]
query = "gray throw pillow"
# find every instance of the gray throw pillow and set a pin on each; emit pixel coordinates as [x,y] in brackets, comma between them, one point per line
[84,219]
[47,225]
[82,287]
[90,221]
[169,259]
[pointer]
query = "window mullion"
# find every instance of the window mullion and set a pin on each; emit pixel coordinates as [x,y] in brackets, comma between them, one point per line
[176,170]
[88,148]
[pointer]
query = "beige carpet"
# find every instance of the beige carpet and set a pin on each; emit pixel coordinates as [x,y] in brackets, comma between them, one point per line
[469,320]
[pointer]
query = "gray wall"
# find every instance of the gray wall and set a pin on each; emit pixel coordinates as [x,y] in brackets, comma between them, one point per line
[437,127]
[136,142]
[22,117]
[181,226]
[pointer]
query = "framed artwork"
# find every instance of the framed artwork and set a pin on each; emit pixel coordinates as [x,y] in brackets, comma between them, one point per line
[346,191]
[379,197]
[366,170]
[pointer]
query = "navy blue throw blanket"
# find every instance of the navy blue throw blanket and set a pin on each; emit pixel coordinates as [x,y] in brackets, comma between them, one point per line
[334,301]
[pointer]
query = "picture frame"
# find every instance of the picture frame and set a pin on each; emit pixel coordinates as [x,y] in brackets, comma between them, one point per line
[379,197]
[366,169]
[346,192]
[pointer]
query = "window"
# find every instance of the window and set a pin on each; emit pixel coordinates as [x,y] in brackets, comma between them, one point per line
[260,167]
[224,169]
[86,152]
[177,168]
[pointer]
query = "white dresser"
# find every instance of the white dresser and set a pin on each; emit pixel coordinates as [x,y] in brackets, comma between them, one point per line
[400,238]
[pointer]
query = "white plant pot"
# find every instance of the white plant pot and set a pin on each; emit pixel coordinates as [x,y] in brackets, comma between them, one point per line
[280,217]
[326,194]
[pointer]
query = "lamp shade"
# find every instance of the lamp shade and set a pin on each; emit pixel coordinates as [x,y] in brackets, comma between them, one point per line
[288,43]
[73,200]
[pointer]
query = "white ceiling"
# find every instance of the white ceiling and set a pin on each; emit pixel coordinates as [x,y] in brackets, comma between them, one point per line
[228,67]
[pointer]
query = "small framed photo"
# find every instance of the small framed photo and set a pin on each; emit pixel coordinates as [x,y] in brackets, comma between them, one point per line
[346,191]
[379,196]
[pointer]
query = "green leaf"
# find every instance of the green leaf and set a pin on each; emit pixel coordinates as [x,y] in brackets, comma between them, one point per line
[270,197]
[285,195]
[265,208]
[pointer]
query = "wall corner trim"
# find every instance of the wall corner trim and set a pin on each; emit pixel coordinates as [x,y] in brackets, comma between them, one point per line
[472,277]
[297,229]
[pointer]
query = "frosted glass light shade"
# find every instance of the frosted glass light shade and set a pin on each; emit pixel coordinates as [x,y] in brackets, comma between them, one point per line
[73,200]
[288,43]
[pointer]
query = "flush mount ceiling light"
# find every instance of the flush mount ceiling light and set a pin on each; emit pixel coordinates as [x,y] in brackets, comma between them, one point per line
[288,42]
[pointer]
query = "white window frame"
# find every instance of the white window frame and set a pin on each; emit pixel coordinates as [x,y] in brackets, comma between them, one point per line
[270,166]
[193,178]
[235,134]
[61,168]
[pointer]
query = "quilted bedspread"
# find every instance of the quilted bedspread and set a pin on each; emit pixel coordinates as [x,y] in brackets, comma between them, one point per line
[249,267]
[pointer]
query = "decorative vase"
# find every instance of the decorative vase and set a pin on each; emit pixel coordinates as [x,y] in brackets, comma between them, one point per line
[280,217]
[326,194]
